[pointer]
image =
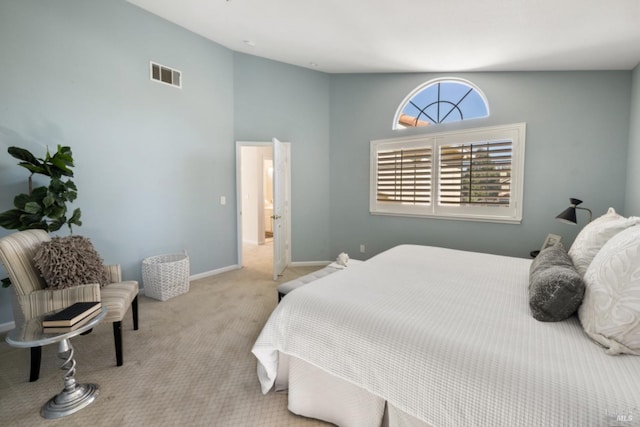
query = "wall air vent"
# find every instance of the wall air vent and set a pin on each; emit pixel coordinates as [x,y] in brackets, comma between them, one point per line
[166,75]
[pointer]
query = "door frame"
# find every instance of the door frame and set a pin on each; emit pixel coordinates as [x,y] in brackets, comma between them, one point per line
[287,184]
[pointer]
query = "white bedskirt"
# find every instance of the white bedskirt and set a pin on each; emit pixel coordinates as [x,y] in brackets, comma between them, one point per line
[315,393]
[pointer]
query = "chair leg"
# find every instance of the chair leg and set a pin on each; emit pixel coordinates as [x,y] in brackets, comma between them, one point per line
[36,357]
[134,310]
[117,337]
[117,331]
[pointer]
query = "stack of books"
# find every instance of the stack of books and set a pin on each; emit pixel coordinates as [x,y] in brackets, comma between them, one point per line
[71,318]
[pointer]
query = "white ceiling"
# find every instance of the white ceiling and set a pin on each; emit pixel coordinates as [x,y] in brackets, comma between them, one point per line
[350,36]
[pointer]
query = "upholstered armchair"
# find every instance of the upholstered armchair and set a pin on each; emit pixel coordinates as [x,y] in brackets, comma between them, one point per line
[17,253]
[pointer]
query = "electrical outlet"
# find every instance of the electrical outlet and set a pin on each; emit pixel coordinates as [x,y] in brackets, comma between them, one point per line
[361,249]
[223,200]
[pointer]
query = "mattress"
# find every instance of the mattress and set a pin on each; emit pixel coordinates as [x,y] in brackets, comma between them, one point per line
[446,337]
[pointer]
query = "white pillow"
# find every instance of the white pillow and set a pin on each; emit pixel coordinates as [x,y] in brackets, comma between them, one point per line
[594,235]
[610,310]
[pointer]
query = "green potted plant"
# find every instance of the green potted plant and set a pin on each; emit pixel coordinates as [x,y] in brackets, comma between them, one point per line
[43,207]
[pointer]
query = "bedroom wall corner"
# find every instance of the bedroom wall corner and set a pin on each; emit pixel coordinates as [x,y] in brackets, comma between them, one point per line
[632,200]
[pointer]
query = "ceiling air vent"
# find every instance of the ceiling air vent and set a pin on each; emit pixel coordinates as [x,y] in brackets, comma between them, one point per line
[166,75]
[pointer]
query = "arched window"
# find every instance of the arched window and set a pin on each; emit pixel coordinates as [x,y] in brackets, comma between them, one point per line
[441,101]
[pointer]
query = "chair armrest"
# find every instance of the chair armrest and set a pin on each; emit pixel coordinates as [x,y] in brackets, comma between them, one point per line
[45,300]
[113,273]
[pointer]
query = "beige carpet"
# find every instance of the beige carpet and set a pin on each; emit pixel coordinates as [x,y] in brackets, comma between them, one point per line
[190,363]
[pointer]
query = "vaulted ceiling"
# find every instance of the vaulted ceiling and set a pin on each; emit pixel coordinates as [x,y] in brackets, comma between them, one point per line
[419,35]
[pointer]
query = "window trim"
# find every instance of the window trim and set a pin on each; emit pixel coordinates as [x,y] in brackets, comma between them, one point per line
[423,86]
[515,132]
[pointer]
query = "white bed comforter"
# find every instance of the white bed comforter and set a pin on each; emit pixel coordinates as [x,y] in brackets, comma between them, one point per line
[447,336]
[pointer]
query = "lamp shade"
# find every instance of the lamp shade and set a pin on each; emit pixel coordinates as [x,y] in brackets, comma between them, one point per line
[568,215]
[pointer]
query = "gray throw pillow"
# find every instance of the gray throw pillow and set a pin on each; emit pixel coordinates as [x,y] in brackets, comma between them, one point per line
[555,255]
[70,261]
[556,289]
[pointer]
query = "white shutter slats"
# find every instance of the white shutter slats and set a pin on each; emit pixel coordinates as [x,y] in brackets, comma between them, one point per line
[404,176]
[476,173]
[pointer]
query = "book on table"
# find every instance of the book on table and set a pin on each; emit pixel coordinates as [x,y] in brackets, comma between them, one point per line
[72,314]
[78,324]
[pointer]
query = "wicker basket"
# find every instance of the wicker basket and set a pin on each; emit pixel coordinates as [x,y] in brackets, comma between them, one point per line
[165,276]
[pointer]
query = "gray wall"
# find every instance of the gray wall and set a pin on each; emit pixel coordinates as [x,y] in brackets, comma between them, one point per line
[151,160]
[576,146]
[290,103]
[633,165]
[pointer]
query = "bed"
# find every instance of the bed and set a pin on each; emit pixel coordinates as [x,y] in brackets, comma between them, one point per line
[426,336]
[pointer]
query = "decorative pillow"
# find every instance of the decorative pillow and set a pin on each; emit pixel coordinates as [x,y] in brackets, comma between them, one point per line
[555,287]
[555,255]
[594,235]
[610,312]
[70,261]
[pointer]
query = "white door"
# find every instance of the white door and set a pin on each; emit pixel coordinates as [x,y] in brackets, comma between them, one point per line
[279,229]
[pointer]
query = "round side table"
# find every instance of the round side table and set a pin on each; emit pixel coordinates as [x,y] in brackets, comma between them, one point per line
[74,396]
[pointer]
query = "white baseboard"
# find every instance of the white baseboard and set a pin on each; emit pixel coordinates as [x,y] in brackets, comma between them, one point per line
[309,263]
[207,274]
[214,272]
[6,327]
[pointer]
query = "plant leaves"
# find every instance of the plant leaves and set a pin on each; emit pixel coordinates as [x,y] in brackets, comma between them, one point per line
[32,208]
[61,165]
[75,217]
[46,206]
[10,219]
[55,211]
[66,152]
[39,193]
[57,186]
[24,155]
[65,156]
[30,221]
[48,200]
[57,224]
[34,168]
[20,200]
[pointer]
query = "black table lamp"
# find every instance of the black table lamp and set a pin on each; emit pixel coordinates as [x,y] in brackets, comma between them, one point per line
[569,214]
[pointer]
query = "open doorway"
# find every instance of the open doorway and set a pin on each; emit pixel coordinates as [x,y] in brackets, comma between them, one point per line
[257,217]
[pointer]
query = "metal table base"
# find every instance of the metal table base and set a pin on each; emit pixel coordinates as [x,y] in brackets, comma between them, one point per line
[74,396]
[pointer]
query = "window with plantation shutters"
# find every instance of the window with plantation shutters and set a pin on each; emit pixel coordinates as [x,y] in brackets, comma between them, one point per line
[404,176]
[476,174]
[473,174]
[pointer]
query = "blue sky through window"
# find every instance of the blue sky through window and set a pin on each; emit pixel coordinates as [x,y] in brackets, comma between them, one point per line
[442,102]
